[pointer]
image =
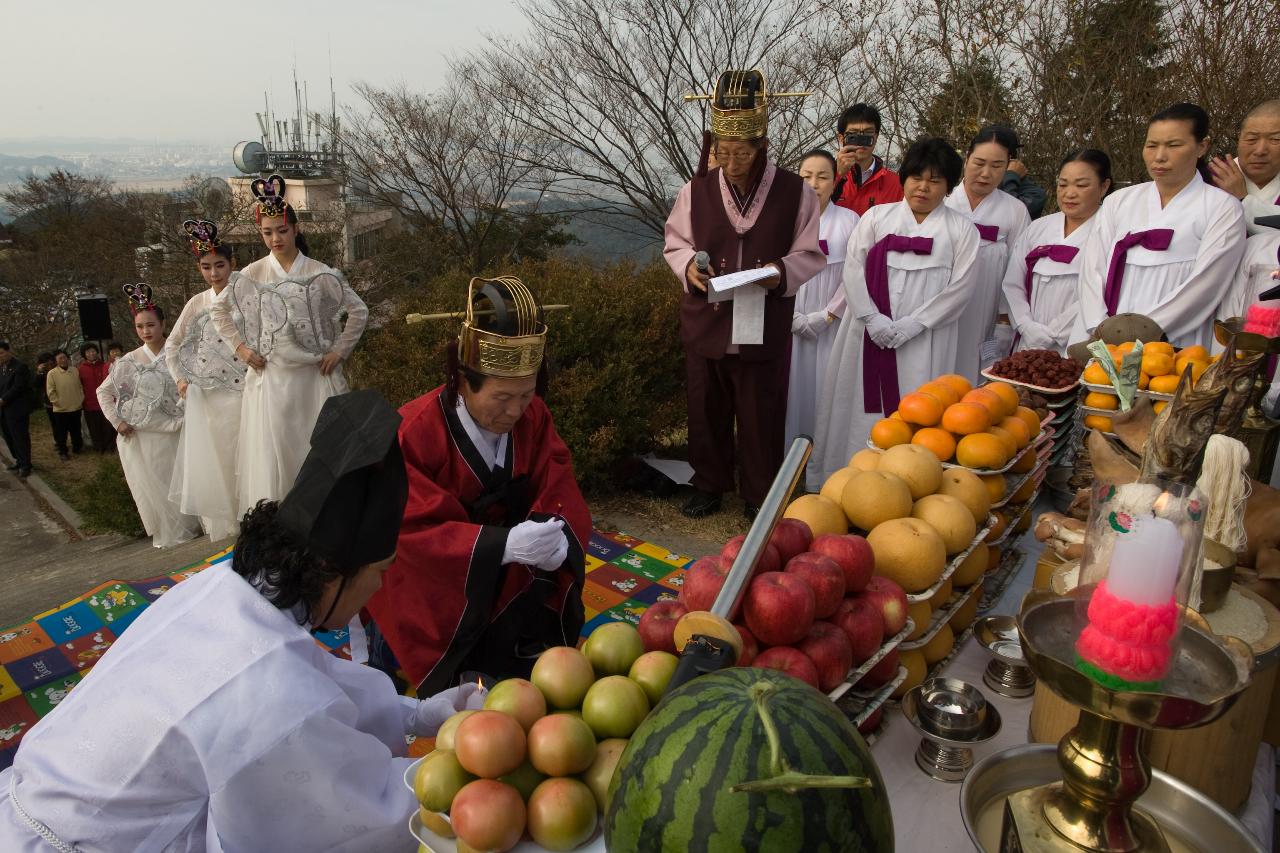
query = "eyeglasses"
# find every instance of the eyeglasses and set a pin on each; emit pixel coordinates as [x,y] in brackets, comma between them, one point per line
[739,157]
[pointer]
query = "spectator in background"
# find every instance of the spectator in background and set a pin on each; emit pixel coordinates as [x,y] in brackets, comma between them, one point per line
[862,178]
[66,396]
[44,363]
[93,370]
[1016,183]
[115,349]
[17,401]
[1254,175]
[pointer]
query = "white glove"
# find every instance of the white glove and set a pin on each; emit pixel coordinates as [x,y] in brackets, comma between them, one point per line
[812,325]
[880,328]
[797,324]
[1036,336]
[904,330]
[536,543]
[429,715]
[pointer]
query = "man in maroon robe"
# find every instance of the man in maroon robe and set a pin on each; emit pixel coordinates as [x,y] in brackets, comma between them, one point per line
[746,213]
[491,555]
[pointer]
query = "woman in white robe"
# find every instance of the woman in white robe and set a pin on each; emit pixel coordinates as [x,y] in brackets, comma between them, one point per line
[901,316]
[1261,259]
[1041,282]
[1000,219]
[211,382]
[216,721]
[1168,248]
[140,400]
[294,344]
[820,301]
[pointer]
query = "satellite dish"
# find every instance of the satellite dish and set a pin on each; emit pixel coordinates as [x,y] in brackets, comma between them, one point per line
[249,157]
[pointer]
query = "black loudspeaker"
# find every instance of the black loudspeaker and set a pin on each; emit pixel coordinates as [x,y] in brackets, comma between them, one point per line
[95,318]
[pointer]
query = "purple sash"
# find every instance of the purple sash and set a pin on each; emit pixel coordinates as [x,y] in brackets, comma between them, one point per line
[880,366]
[990,233]
[1058,253]
[1155,240]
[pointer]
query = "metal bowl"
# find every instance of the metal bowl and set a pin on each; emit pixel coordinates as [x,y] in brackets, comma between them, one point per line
[1215,583]
[1181,811]
[952,708]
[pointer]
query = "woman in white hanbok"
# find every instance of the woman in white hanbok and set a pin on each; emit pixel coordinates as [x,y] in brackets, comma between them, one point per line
[1260,262]
[909,270]
[1168,248]
[820,301]
[216,721]
[140,400]
[1041,282]
[294,342]
[1000,219]
[211,381]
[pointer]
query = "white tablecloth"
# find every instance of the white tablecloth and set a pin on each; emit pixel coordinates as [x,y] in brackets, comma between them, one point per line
[926,812]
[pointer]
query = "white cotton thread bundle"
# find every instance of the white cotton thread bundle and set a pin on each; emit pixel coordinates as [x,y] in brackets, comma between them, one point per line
[1224,481]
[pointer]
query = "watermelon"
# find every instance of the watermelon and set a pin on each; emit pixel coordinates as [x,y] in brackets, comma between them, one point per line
[747,759]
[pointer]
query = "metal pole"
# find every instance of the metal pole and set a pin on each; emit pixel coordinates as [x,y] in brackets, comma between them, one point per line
[775,502]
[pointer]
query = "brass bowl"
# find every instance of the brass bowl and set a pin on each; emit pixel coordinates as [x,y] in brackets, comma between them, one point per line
[1215,583]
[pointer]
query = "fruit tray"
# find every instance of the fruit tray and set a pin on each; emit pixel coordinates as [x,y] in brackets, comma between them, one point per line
[1110,389]
[1022,481]
[941,615]
[1016,514]
[856,674]
[996,581]
[857,705]
[438,844]
[950,569]
[1039,389]
[1046,434]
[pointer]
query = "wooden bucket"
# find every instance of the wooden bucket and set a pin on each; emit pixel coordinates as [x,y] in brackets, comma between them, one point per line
[1217,759]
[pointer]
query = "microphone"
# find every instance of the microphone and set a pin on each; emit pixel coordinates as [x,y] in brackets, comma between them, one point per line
[703,262]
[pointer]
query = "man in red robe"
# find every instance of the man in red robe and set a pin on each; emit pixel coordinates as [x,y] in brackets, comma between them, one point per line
[491,555]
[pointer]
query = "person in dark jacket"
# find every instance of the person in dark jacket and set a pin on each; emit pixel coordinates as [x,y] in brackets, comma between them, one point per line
[17,401]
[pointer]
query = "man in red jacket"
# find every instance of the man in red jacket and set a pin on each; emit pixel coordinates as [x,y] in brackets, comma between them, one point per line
[862,178]
[491,556]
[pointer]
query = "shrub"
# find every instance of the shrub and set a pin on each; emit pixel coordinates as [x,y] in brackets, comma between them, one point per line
[616,371]
[104,501]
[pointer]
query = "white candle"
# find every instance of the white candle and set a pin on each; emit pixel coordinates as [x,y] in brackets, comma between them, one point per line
[1144,562]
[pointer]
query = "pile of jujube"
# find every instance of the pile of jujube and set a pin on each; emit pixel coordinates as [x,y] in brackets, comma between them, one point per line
[1042,367]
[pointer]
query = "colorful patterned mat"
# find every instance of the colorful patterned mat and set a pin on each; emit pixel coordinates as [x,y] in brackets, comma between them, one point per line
[43,659]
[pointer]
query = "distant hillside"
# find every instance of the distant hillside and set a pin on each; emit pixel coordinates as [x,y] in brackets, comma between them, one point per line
[14,169]
[606,237]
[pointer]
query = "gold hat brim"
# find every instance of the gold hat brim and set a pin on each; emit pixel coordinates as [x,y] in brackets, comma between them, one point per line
[491,354]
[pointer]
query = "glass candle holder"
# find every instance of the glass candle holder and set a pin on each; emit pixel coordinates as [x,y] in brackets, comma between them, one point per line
[1142,546]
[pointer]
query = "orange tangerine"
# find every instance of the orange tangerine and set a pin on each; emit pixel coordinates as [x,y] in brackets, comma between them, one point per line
[1098,400]
[988,398]
[995,484]
[1195,352]
[1156,363]
[888,432]
[939,441]
[1159,405]
[1198,366]
[1007,394]
[1124,348]
[981,450]
[1162,347]
[1010,443]
[1144,380]
[1095,375]
[1098,422]
[966,418]
[944,392]
[956,383]
[1016,428]
[1164,384]
[919,408]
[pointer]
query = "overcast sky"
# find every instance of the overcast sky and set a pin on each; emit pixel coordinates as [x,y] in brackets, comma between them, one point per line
[161,70]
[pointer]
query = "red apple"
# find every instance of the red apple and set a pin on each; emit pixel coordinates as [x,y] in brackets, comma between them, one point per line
[779,608]
[863,623]
[658,625]
[793,662]
[750,647]
[891,600]
[869,724]
[828,647]
[852,553]
[702,582]
[824,577]
[791,536]
[882,673]
[770,560]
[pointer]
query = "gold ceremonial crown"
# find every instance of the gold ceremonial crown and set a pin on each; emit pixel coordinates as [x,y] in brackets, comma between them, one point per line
[518,348]
[740,105]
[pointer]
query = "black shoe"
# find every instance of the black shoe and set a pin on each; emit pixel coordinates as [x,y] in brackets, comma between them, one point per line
[13,467]
[751,511]
[24,473]
[64,457]
[701,504]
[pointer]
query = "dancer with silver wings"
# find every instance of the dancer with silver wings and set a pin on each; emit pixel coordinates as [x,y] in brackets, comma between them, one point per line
[211,380]
[294,341]
[140,400]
